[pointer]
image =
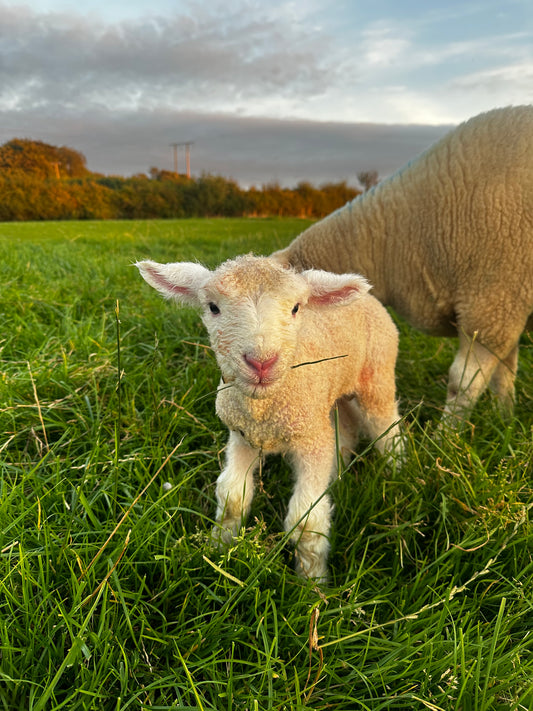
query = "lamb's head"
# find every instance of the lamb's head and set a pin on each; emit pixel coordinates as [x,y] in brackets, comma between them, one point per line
[253,310]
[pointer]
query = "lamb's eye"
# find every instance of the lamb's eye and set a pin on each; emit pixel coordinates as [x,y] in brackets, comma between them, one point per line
[295,309]
[213,308]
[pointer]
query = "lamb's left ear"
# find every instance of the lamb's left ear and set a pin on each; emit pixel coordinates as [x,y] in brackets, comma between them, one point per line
[329,289]
[177,280]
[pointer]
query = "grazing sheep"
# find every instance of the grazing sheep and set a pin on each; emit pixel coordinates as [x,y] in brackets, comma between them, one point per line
[286,359]
[448,243]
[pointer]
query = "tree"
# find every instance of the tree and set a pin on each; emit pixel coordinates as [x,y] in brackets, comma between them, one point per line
[368,178]
[41,160]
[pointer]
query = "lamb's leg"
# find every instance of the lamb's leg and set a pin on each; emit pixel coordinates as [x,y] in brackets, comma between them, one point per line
[471,372]
[378,408]
[349,427]
[235,488]
[309,511]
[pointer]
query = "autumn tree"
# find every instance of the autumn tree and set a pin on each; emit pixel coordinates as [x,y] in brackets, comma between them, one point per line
[41,160]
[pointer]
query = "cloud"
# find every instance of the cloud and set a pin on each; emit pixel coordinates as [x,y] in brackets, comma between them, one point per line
[200,60]
[383,46]
[518,76]
[278,59]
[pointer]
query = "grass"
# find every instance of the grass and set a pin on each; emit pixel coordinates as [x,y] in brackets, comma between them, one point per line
[110,594]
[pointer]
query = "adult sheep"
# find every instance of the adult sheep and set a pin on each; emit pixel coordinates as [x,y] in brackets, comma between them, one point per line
[287,360]
[448,243]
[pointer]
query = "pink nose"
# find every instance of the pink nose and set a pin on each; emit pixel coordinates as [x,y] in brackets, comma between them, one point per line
[261,367]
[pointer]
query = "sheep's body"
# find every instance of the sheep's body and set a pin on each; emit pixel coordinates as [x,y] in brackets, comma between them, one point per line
[286,359]
[448,243]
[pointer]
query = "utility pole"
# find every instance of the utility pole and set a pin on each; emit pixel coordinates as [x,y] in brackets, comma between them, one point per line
[175,147]
[188,159]
[187,145]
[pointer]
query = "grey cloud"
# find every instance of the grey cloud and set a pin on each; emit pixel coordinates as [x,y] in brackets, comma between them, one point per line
[249,150]
[183,60]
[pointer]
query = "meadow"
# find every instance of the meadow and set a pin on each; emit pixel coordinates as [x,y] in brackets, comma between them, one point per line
[111,596]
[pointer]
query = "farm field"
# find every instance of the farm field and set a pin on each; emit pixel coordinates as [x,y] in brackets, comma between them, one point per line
[111,596]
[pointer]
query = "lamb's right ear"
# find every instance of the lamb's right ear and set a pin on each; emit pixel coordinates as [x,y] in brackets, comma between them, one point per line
[177,280]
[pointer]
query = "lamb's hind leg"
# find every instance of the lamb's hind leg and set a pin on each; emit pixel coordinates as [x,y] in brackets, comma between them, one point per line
[379,412]
[350,424]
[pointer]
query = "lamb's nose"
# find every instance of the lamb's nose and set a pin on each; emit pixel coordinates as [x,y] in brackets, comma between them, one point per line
[261,367]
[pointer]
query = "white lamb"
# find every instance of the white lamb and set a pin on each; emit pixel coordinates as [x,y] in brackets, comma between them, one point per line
[448,243]
[290,347]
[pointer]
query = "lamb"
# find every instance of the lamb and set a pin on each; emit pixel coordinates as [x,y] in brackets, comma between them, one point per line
[448,243]
[287,360]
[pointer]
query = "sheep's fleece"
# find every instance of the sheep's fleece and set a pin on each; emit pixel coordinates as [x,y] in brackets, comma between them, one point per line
[287,359]
[448,243]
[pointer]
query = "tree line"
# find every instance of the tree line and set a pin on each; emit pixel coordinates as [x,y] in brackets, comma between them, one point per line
[43,182]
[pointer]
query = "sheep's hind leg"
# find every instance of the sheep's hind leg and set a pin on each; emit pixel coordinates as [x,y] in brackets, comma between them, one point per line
[473,369]
[235,488]
[503,379]
[309,512]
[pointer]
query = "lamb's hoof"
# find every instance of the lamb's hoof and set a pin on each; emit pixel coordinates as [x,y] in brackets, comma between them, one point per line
[312,567]
[396,453]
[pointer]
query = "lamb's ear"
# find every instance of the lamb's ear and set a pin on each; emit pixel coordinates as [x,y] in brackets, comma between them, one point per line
[328,289]
[177,280]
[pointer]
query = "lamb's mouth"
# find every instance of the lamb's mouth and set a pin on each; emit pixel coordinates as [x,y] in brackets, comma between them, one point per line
[259,387]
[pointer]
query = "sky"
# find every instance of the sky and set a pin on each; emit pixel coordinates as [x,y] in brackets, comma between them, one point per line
[280,91]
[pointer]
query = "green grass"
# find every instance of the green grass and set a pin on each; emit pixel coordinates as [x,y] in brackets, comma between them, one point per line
[110,594]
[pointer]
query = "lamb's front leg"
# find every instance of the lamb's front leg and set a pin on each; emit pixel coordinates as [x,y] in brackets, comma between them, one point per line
[235,488]
[309,511]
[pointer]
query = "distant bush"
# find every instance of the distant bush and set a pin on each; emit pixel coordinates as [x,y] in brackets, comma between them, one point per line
[42,182]
[27,197]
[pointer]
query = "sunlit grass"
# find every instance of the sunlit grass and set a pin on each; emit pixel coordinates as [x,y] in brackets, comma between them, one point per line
[111,596]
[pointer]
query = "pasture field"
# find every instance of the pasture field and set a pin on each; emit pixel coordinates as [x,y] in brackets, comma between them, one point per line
[111,597]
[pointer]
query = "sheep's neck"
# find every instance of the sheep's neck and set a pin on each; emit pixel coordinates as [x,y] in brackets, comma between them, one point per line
[357,246]
[366,245]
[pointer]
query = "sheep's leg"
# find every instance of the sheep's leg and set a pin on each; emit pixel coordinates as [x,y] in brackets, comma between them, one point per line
[471,372]
[235,488]
[503,378]
[309,511]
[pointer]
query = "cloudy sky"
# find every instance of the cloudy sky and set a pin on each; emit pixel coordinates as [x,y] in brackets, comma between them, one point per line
[284,90]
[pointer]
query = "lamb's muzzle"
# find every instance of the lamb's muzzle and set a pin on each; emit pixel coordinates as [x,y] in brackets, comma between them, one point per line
[261,368]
